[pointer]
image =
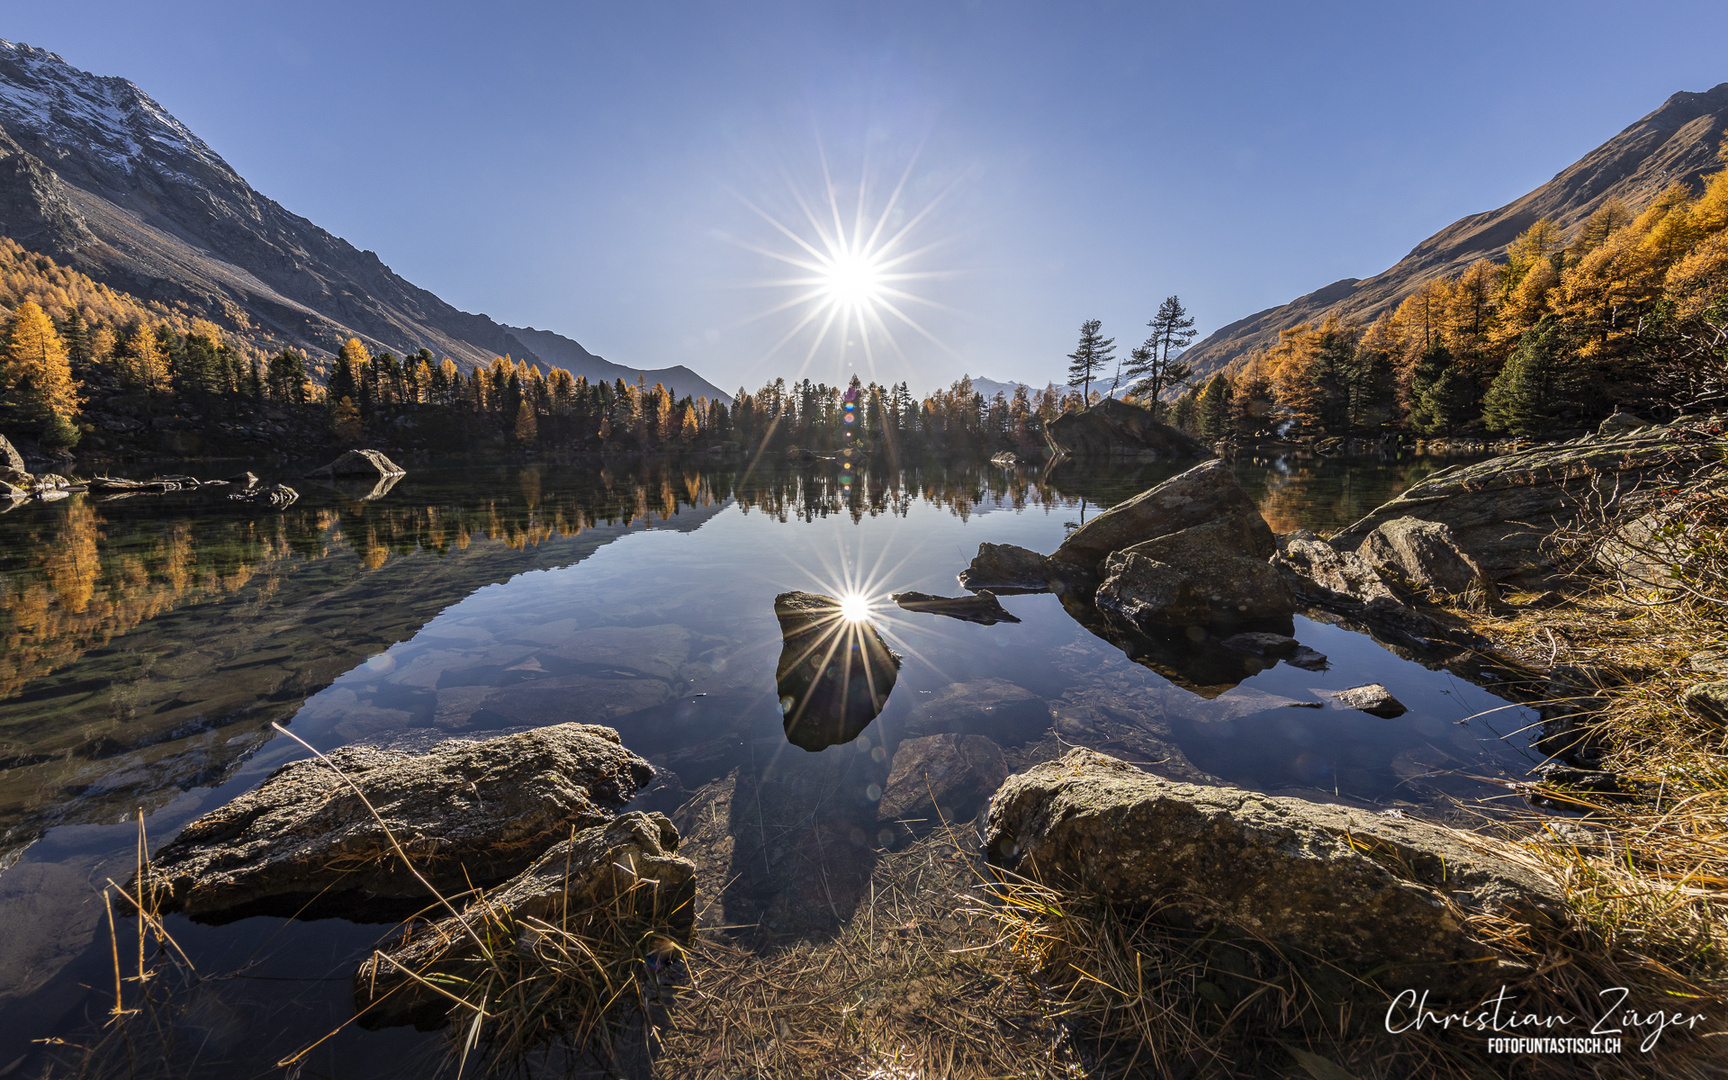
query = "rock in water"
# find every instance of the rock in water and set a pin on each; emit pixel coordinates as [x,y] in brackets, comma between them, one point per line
[360,463]
[10,458]
[1425,552]
[1371,698]
[623,876]
[835,673]
[465,813]
[272,495]
[1116,429]
[1207,493]
[1004,568]
[1354,887]
[982,608]
[1006,713]
[942,778]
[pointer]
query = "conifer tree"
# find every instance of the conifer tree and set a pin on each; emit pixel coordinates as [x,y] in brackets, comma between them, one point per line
[1541,388]
[1155,363]
[37,373]
[1094,353]
[1213,408]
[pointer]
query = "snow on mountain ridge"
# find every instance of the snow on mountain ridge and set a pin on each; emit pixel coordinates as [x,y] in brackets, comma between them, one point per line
[45,96]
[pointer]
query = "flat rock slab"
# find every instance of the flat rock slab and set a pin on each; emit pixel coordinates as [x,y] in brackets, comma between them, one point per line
[466,813]
[1354,887]
[1206,493]
[1371,698]
[983,608]
[1006,567]
[622,875]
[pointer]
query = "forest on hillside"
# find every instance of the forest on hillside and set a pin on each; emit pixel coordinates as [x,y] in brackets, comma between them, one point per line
[1630,313]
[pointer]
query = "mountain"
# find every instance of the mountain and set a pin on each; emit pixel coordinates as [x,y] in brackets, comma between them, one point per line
[98,175]
[1677,142]
[560,351]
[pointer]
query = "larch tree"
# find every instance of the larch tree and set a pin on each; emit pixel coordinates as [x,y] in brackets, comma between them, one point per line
[1155,361]
[1093,355]
[38,374]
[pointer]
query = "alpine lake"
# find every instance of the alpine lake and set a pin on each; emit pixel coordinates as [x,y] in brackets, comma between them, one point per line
[149,643]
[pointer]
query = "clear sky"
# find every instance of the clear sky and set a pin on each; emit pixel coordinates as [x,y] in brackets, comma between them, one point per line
[612,171]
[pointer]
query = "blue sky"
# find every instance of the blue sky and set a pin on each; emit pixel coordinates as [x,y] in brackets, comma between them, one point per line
[597,169]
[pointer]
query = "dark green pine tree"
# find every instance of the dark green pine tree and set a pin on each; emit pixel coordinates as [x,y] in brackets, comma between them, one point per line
[1093,355]
[1541,389]
[77,338]
[1213,408]
[1443,396]
[1155,363]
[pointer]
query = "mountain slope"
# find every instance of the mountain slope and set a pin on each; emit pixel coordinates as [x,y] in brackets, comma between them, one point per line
[558,350]
[1677,142]
[98,175]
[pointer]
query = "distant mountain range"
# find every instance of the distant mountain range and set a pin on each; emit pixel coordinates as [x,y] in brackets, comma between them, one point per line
[1677,142]
[98,175]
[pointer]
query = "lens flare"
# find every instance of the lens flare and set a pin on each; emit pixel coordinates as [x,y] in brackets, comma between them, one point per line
[855,607]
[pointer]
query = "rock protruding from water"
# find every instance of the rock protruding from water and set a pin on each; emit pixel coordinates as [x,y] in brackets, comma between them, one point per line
[1206,494]
[983,608]
[1116,429]
[466,814]
[275,496]
[835,672]
[942,779]
[370,463]
[1006,568]
[1373,699]
[1357,888]
[10,458]
[606,882]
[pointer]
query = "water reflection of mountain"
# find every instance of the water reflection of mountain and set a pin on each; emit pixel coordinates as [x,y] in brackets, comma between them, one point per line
[148,645]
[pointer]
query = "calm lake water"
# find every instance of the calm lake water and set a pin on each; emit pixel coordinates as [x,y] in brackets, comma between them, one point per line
[147,643]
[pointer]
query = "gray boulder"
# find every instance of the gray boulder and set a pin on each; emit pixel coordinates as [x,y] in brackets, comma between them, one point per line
[1006,567]
[1207,493]
[1424,552]
[622,875]
[1621,423]
[1648,552]
[942,778]
[10,458]
[1214,572]
[466,813]
[360,463]
[1362,889]
[1116,429]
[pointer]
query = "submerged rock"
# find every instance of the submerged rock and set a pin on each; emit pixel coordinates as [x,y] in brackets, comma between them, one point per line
[360,463]
[1005,567]
[942,778]
[834,674]
[1354,887]
[1371,698]
[623,876]
[466,813]
[996,708]
[982,608]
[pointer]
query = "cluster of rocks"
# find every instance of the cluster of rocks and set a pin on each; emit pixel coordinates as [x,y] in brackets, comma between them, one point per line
[245,489]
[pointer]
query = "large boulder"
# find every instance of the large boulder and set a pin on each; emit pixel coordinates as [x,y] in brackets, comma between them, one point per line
[622,876]
[10,458]
[1424,553]
[1116,429]
[1207,493]
[1363,889]
[466,813]
[1501,510]
[1215,572]
[369,463]
[1006,568]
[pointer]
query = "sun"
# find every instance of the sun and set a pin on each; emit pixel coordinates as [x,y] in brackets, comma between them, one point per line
[853,280]
[854,607]
[855,271]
